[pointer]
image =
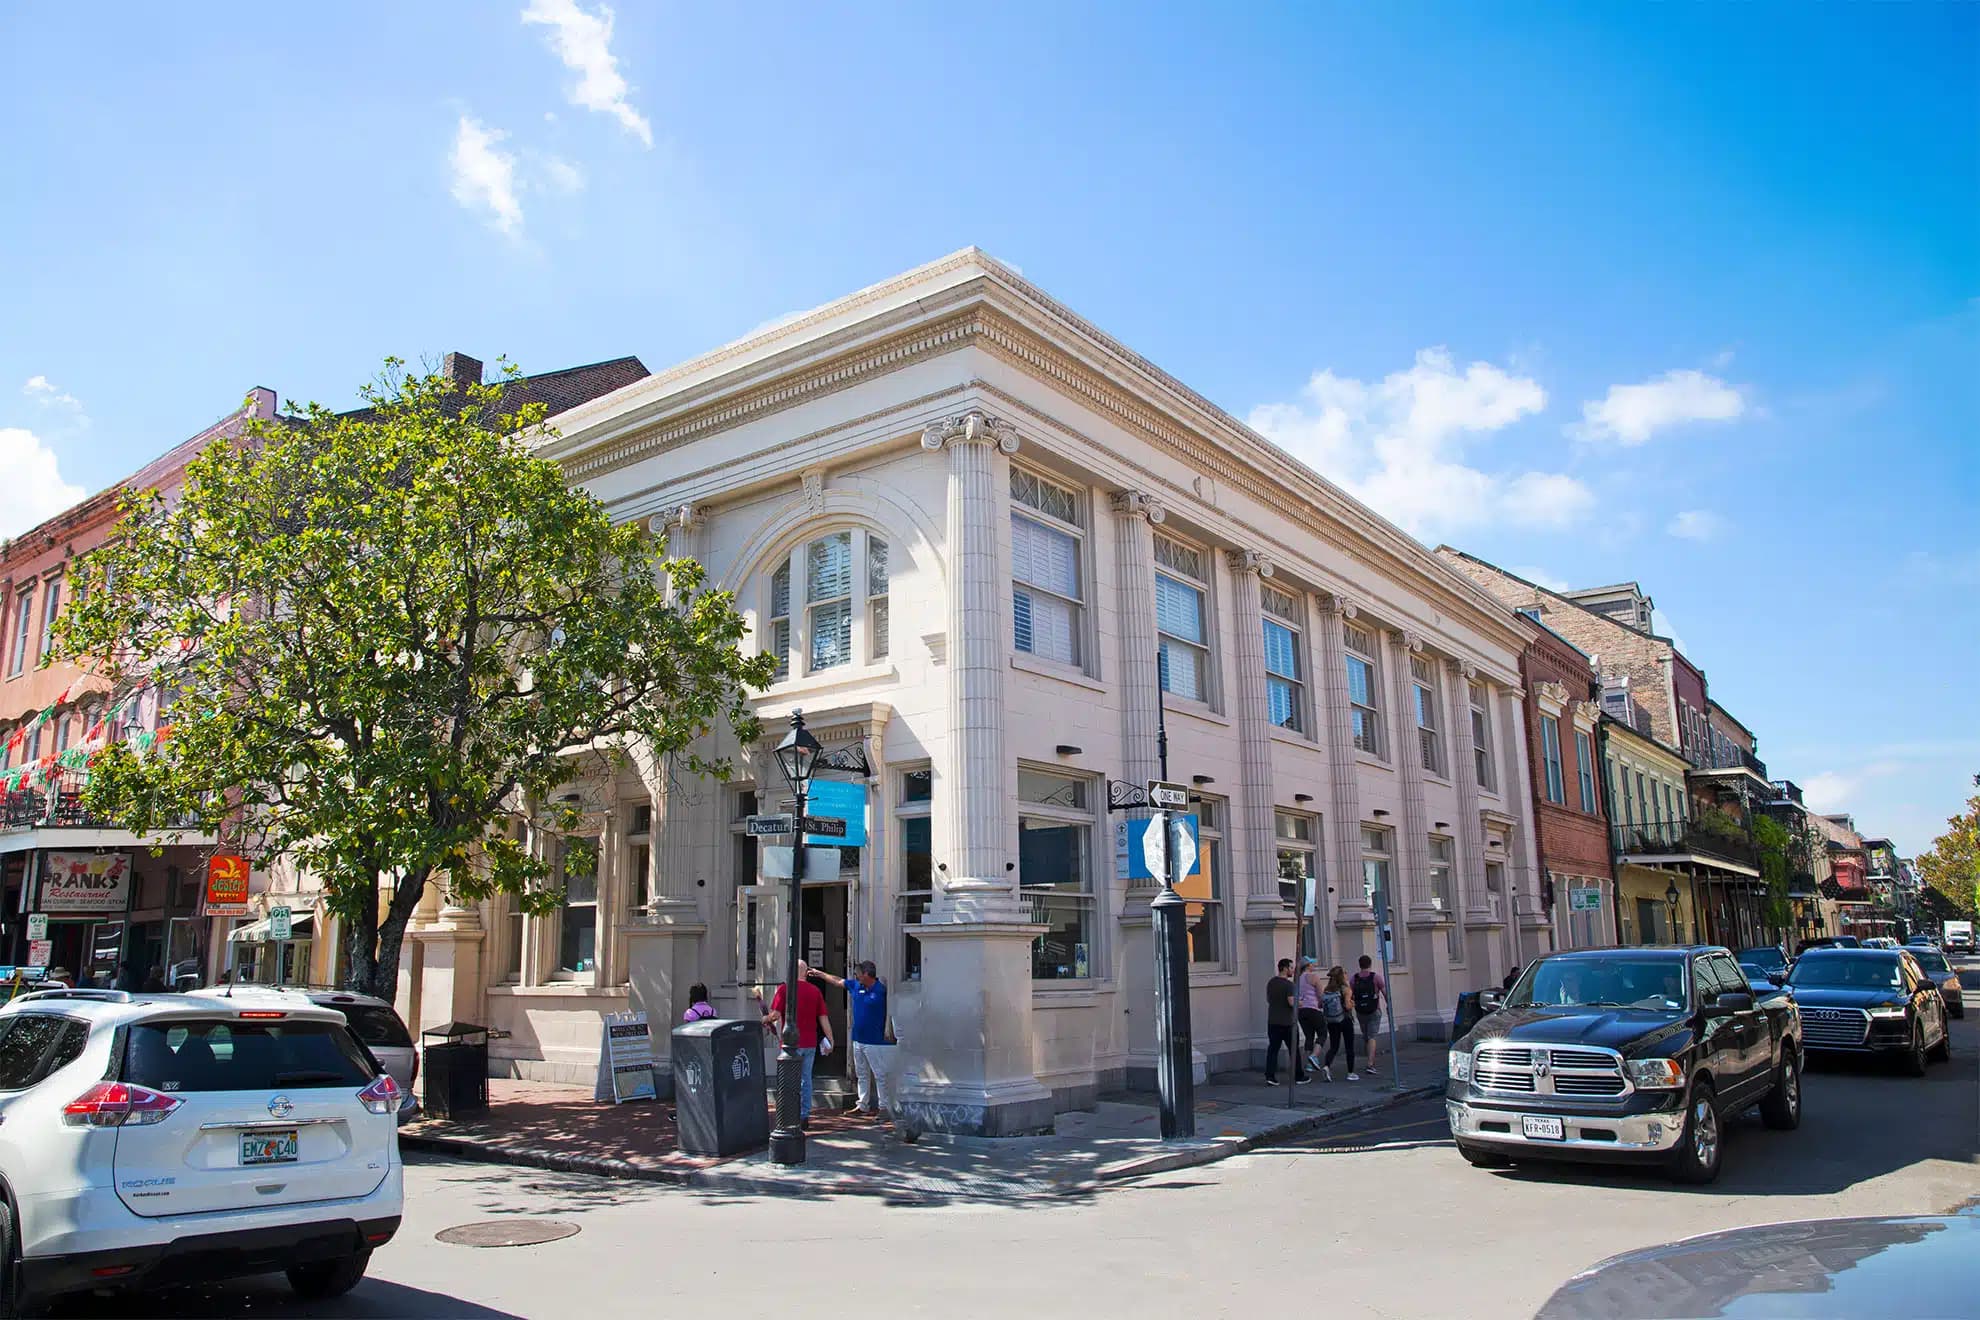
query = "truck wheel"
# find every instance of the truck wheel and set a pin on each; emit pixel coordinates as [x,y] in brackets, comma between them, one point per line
[1696,1159]
[1914,1058]
[1781,1110]
[1482,1159]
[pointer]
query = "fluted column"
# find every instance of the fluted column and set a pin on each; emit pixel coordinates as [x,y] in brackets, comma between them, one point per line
[1415,850]
[1254,716]
[682,525]
[976,885]
[1470,899]
[1135,517]
[1344,836]
[1523,900]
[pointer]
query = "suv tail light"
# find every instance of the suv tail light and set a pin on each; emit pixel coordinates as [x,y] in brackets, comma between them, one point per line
[119,1104]
[382,1096]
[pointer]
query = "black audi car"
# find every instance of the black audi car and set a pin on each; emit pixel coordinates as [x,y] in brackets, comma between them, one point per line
[1870,1001]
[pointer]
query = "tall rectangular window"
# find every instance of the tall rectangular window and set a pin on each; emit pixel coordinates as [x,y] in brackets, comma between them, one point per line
[1204,892]
[1055,871]
[1429,727]
[1643,796]
[1364,689]
[577,944]
[1047,598]
[1629,801]
[1285,684]
[1550,753]
[1443,890]
[777,637]
[1481,737]
[51,606]
[1584,755]
[1295,837]
[1182,619]
[1377,848]
[913,803]
[828,578]
[876,597]
[1670,806]
[23,625]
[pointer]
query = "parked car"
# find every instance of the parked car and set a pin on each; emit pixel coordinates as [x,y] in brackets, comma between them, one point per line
[1828,942]
[374,1021]
[1769,960]
[1870,1001]
[173,1138]
[1941,973]
[1880,942]
[1619,1055]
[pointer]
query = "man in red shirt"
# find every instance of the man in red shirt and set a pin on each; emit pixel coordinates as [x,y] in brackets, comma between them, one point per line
[814,1030]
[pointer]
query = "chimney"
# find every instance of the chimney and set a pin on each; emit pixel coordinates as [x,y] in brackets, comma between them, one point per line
[461,369]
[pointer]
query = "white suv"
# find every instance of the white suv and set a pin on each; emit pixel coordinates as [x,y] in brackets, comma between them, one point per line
[149,1140]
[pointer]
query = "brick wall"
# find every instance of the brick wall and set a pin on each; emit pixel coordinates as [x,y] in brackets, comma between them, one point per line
[1570,841]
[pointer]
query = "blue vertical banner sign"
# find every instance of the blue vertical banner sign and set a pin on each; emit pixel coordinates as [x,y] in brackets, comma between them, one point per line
[841,800]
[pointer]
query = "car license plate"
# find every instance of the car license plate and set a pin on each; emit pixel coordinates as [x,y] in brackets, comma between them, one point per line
[1543,1129]
[268,1147]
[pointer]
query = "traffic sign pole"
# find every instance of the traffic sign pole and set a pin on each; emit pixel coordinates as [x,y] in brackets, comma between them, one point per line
[1175,1081]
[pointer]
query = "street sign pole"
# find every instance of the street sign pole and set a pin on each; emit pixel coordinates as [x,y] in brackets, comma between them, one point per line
[1175,1082]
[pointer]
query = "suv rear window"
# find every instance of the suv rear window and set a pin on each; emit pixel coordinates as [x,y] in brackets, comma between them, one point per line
[243,1056]
[376,1024]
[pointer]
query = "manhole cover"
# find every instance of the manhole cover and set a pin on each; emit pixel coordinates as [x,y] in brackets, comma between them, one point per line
[507,1232]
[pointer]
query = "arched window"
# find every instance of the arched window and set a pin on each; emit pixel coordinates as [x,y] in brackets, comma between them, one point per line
[826,607]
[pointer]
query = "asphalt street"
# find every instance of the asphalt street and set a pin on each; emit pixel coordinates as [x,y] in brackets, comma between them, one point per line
[1378,1218]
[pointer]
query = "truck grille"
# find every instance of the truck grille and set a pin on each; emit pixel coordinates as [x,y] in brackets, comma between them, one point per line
[1834,1026]
[1544,1070]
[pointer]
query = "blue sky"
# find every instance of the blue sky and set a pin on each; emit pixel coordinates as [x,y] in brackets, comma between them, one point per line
[1689,295]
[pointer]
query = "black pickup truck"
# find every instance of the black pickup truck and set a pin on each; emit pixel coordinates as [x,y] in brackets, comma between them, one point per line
[1618,1055]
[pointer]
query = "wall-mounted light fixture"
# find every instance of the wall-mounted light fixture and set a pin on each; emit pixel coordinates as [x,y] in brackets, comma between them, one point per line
[1067,749]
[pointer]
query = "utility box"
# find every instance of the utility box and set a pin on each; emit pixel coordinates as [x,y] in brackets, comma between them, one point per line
[454,1071]
[721,1105]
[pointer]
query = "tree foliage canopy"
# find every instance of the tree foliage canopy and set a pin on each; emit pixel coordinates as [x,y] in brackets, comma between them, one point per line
[1951,868]
[383,633]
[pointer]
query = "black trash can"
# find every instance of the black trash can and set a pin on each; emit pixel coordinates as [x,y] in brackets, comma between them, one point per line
[721,1106]
[1469,1014]
[454,1069]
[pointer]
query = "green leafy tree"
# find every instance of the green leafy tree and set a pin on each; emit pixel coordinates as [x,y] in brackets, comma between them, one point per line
[1776,846]
[386,635]
[1951,868]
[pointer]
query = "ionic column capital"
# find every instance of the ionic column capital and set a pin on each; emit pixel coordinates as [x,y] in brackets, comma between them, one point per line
[1347,607]
[1406,640]
[974,427]
[1250,561]
[1463,669]
[681,518]
[1137,504]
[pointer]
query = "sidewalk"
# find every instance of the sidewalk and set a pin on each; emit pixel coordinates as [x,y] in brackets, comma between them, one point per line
[541,1125]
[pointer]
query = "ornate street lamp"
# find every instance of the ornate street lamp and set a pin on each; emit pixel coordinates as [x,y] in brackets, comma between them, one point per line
[797,757]
[1671,897]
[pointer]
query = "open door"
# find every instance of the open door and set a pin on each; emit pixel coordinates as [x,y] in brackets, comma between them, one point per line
[760,941]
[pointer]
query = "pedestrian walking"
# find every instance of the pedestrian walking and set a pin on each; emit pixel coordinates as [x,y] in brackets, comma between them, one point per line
[1334,1010]
[698,1009]
[1369,992]
[814,1032]
[873,1048]
[1280,1023]
[1312,1025]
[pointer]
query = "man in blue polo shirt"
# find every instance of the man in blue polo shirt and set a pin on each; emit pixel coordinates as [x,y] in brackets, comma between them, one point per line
[872,1040]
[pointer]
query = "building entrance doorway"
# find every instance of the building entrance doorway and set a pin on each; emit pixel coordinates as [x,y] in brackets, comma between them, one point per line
[824,911]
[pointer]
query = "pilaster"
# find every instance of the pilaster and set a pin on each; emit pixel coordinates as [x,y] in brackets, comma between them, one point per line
[1254,718]
[1473,904]
[1344,838]
[1414,852]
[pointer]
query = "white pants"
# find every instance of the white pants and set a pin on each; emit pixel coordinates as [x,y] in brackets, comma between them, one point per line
[873,1065]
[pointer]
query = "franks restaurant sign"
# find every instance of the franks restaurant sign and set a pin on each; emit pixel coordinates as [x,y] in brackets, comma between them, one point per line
[85,883]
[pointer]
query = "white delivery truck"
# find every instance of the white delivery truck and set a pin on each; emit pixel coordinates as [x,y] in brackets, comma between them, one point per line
[1957,937]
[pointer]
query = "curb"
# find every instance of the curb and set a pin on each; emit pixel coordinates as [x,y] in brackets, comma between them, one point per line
[723,1179]
[1222,1148]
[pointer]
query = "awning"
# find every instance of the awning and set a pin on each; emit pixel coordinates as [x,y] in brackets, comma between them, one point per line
[256,932]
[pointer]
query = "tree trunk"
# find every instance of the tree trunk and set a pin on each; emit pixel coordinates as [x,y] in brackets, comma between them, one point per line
[388,936]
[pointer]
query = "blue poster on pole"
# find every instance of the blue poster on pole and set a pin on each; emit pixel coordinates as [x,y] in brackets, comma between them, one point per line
[841,800]
[1131,860]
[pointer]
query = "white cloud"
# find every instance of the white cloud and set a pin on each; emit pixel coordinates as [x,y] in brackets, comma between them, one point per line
[562,176]
[1835,790]
[1631,414]
[44,391]
[583,41]
[1398,444]
[485,175]
[31,484]
[1696,525]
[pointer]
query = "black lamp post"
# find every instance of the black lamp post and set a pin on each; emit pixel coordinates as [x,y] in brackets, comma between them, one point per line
[1671,897]
[797,756]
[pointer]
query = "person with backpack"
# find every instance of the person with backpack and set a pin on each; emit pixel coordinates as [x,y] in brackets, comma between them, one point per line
[1340,1026]
[1312,1024]
[1369,992]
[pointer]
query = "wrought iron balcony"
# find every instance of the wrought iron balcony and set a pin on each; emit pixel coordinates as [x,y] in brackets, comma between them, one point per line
[57,804]
[1730,757]
[1680,838]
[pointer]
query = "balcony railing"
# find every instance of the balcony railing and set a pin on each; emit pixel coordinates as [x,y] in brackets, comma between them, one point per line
[1730,757]
[1665,838]
[58,804]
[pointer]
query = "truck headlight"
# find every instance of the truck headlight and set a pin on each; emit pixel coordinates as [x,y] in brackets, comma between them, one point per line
[1459,1064]
[1654,1074]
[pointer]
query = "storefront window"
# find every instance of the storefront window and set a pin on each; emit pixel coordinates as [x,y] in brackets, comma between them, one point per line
[577,947]
[1377,847]
[1205,890]
[1298,859]
[1441,889]
[917,882]
[1055,829]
